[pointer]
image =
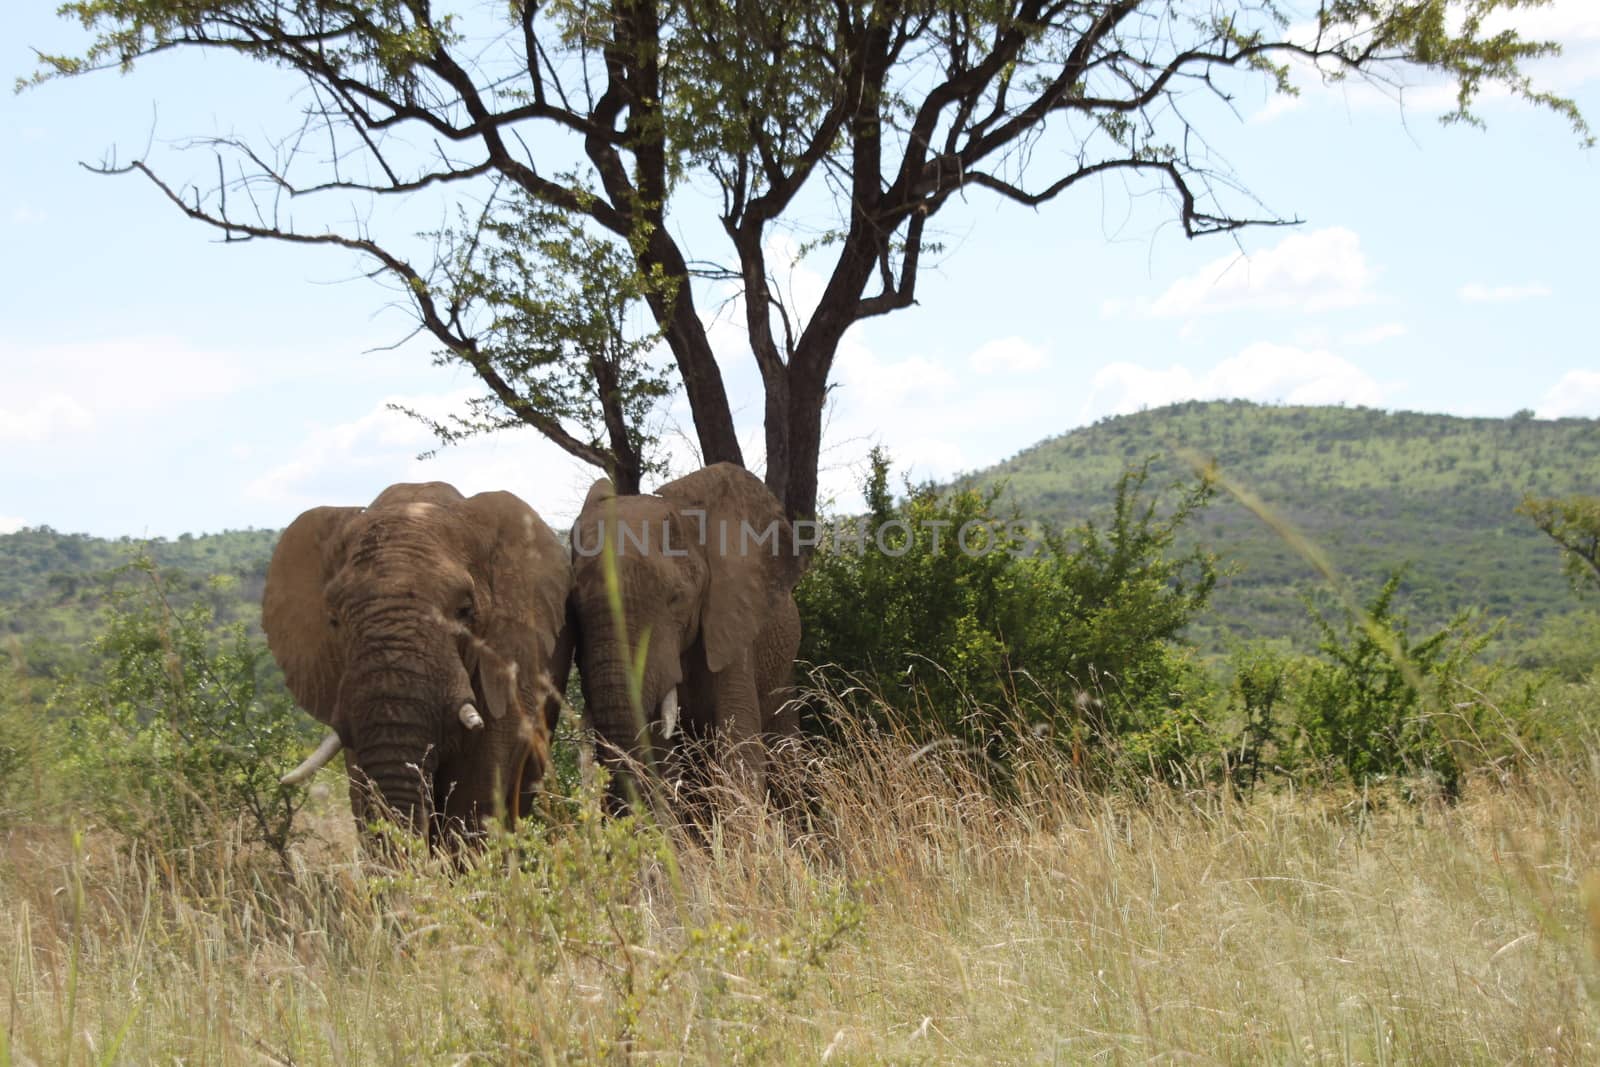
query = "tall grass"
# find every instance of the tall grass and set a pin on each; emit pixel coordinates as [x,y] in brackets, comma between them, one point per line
[905,915]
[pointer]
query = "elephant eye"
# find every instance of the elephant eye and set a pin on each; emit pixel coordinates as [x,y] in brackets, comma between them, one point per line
[333,620]
[467,612]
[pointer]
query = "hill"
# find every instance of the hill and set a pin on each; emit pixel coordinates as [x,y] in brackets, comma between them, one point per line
[1374,489]
[52,585]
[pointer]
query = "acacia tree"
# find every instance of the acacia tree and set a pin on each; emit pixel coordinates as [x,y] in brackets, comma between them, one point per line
[862,120]
[1573,523]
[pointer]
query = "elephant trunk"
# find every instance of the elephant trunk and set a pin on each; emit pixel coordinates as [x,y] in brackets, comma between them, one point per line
[619,727]
[605,693]
[403,685]
[404,797]
[397,761]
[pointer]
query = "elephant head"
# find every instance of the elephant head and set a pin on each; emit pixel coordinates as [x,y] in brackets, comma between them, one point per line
[705,569]
[428,632]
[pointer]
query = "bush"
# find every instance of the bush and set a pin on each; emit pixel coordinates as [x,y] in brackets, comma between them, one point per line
[963,616]
[1382,705]
[180,735]
[1264,679]
[1567,646]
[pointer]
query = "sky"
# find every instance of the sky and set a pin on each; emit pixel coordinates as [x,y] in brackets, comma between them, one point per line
[154,381]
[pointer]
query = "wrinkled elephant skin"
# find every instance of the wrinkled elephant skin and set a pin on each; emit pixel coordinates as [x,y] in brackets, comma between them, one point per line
[428,632]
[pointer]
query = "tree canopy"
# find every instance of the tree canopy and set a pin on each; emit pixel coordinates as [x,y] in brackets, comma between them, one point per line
[575,135]
[1573,523]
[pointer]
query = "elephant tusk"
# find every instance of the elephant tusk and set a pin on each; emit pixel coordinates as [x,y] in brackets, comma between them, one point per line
[315,762]
[470,718]
[669,713]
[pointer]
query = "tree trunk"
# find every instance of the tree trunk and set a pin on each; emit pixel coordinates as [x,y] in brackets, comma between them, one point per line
[775,383]
[807,394]
[806,376]
[627,466]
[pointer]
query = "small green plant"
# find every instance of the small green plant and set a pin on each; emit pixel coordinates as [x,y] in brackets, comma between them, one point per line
[1179,748]
[179,735]
[1262,676]
[1566,647]
[1381,704]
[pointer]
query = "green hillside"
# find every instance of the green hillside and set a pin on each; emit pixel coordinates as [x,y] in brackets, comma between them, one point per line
[53,585]
[1375,489]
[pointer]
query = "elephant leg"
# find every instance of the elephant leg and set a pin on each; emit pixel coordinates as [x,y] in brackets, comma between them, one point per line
[774,649]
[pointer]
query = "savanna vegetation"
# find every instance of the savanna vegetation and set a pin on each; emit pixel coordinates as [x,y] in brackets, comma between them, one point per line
[56,587]
[1032,820]
[1373,489]
[1054,806]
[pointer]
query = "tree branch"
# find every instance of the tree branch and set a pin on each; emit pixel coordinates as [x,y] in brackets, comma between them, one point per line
[421,294]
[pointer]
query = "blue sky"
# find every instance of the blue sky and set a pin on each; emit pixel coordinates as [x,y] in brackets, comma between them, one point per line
[154,381]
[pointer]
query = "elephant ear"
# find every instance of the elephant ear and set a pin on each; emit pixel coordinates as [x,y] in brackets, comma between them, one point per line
[529,577]
[750,553]
[294,611]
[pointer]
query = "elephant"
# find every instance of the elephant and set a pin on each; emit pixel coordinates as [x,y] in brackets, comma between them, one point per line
[713,606]
[429,633]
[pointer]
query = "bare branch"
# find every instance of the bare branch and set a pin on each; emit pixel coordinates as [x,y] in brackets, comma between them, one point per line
[421,293]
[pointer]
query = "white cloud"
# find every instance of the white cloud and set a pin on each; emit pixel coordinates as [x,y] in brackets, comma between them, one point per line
[1277,105]
[889,382]
[61,389]
[1577,393]
[43,416]
[919,409]
[797,285]
[1565,20]
[1263,372]
[1010,354]
[9,524]
[1305,272]
[1478,293]
[1373,335]
[23,215]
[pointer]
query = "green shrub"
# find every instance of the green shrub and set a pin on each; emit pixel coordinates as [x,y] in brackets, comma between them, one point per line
[180,736]
[1179,747]
[1382,705]
[1264,678]
[1076,632]
[1568,646]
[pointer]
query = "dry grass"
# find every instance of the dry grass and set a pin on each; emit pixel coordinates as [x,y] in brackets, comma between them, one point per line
[917,920]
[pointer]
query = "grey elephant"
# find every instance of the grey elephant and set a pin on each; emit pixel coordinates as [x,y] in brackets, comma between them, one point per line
[428,632]
[706,567]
